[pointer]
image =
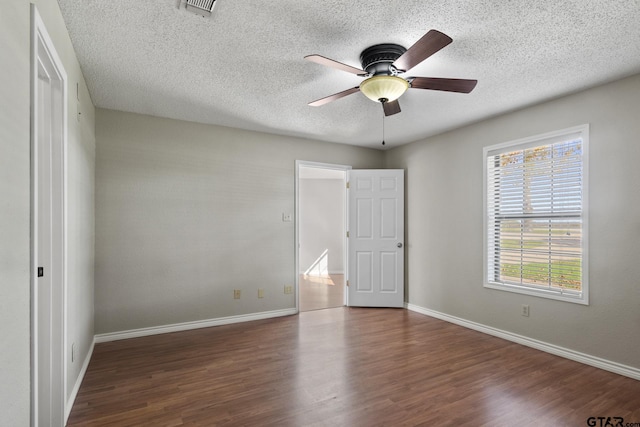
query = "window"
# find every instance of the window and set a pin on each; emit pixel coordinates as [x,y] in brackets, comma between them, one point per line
[535,215]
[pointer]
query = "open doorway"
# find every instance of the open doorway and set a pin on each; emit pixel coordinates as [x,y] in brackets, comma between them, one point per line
[321,225]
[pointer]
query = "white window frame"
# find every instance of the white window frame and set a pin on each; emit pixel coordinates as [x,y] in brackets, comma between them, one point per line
[535,141]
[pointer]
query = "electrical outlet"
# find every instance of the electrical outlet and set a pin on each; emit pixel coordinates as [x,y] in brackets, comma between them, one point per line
[260,293]
[236,294]
[525,310]
[288,289]
[286,217]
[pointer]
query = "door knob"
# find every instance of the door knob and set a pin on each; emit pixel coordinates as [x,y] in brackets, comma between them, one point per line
[399,245]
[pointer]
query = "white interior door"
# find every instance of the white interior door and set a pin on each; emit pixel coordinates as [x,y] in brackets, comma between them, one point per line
[376,238]
[48,229]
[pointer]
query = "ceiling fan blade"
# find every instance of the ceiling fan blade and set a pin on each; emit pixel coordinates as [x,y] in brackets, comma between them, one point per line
[429,44]
[319,59]
[333,97]
[449,85]
[391,108]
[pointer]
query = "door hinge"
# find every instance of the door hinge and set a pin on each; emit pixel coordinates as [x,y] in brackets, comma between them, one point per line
[347,234]
[347,283]
[347,184]
[40,271]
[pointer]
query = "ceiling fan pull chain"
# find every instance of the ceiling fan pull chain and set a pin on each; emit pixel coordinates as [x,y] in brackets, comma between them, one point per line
[383,143]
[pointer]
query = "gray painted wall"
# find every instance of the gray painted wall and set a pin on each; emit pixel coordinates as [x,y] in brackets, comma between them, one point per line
[444,224]
[186,213]
[321,225]
[15,30]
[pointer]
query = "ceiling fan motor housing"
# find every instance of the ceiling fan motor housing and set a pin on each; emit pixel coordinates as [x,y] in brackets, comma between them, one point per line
[378,59]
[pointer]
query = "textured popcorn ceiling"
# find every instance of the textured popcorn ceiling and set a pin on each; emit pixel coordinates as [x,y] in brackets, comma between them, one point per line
[244,66]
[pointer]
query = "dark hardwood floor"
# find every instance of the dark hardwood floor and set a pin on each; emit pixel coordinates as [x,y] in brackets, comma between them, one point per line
[343,367]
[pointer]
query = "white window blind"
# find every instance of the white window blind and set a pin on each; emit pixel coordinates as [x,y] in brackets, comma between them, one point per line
[535,222]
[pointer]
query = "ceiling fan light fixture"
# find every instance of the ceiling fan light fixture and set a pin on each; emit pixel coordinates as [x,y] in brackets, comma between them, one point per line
[388,88]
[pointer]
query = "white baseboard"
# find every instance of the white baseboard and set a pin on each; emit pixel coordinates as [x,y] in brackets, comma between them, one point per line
[587,359]
[143,332]
[76,386]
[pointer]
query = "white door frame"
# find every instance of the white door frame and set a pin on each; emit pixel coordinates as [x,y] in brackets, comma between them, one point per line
[307,164]
[42,49]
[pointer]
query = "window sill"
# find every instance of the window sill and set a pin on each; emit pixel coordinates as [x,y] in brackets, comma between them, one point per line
[539,293]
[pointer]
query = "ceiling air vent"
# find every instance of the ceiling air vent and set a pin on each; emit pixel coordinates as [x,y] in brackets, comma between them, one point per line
[199,7]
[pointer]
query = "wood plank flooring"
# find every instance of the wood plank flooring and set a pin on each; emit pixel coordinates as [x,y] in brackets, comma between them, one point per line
[321,292]
[343,367]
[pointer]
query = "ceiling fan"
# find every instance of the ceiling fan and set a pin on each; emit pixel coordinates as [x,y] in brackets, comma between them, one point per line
[383,63]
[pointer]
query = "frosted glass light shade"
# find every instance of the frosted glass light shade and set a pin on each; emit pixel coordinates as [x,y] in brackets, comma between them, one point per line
[384,87]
